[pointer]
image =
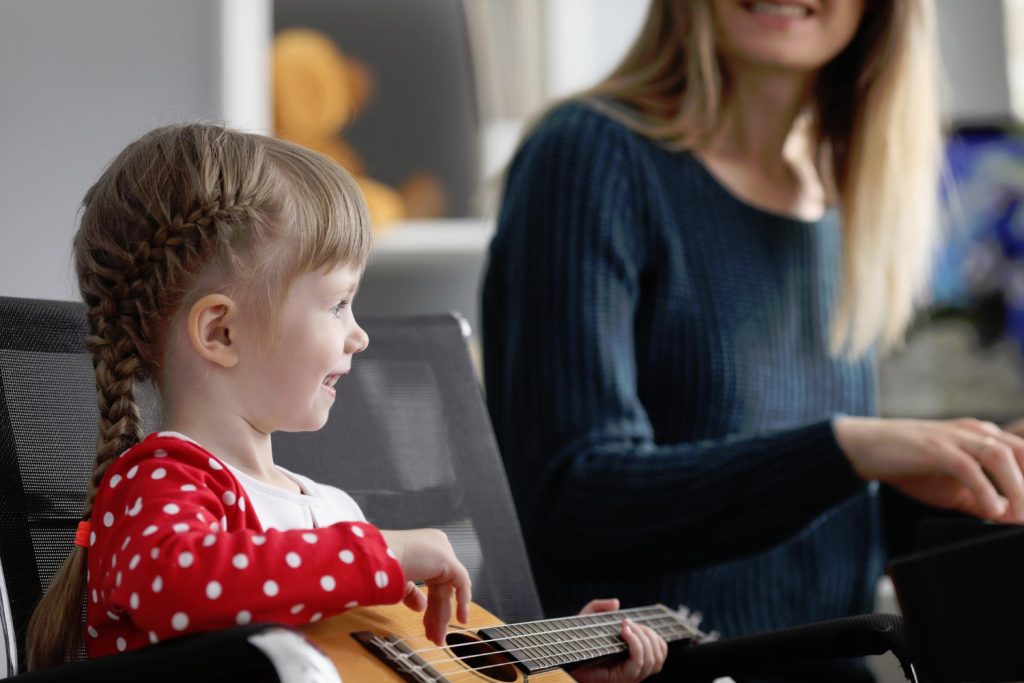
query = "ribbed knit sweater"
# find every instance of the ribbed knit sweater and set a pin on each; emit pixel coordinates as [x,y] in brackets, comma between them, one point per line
[657,371]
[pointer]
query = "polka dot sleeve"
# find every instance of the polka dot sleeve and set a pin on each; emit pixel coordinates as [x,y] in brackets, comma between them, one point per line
[177,548]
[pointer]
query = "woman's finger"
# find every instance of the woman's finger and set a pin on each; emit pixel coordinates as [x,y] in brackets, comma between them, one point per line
[962,466]
[1016,427]
[1016,444]
[999,462]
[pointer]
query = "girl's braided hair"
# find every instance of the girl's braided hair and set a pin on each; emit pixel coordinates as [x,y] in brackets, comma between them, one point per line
[184,210]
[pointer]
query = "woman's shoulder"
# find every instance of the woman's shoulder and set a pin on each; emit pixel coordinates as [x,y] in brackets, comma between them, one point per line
[584,117]
[575,139]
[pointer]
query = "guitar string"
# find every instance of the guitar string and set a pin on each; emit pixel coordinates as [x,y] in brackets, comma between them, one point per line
[557,653]
[649,611]
[451,674]
[642,619]
[471,671]
[619,646]
[526,636]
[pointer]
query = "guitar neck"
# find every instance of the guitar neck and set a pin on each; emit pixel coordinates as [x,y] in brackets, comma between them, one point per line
[541,645]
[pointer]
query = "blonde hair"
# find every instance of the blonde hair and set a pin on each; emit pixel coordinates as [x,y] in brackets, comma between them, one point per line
[182,209]
[876,110]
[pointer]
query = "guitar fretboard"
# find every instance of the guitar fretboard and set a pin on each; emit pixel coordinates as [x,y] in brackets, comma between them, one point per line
[541,645]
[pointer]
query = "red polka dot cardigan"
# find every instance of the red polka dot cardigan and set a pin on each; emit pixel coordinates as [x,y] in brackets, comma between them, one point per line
[177,548]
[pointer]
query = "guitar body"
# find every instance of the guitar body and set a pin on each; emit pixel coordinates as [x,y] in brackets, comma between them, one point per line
[356,663]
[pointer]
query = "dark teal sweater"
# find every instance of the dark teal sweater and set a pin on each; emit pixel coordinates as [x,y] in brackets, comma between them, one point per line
[657,370]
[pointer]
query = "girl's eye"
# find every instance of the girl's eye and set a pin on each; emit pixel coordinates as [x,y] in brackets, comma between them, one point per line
[338,307]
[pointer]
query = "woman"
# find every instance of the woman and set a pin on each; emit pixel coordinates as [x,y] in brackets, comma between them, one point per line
[696,262]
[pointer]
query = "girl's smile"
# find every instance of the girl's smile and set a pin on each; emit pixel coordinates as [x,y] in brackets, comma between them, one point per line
[288,381]
[330,381]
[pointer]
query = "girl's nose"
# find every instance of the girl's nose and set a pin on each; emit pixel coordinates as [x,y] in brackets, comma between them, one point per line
[357,341]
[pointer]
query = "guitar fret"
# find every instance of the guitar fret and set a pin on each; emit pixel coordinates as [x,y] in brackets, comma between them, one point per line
[539,652]
[600,642]
[567,648]
[556,645]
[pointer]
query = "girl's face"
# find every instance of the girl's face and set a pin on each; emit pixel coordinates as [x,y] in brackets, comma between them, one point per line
[796,35]
[290,383]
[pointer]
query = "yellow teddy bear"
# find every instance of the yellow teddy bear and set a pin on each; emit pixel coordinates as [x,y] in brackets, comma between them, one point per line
[317,92]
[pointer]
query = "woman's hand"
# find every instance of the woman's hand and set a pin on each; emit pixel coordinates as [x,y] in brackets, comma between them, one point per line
[426,556]
[965,464]
[1016,427]
[647,651]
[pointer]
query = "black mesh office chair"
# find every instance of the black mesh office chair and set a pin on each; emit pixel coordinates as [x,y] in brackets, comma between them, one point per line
[48,428]
[409,438]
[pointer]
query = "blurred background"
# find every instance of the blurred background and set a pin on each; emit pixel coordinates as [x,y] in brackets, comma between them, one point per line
[425,101]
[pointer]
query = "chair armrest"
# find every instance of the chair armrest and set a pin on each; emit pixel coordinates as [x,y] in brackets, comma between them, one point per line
[258,653]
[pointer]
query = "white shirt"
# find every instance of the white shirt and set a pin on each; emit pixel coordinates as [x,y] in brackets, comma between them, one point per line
[318,505]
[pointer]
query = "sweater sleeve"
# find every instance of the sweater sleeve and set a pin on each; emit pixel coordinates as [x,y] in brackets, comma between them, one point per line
[569,260]
[179,549]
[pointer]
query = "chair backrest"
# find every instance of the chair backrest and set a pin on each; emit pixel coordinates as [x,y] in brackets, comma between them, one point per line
[409,438]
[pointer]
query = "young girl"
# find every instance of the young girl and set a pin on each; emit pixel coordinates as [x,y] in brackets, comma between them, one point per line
[222,267]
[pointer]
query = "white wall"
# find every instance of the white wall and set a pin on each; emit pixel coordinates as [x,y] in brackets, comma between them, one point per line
[972,40]
[585,39]
[78,81]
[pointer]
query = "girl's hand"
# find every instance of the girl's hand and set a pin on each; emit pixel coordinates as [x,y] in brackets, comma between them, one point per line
[965,464]
[647,651]
[427,557]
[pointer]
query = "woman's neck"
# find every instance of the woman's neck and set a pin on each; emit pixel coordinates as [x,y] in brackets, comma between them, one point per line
[764,148]
[759,117]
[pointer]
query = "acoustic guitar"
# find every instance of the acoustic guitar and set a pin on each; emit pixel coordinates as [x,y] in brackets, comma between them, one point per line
[387,644]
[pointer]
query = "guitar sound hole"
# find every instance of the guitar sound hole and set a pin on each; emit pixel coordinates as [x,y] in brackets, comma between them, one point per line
[478,654]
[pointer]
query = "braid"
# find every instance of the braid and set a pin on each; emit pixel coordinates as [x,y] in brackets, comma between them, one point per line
[117,366]
[126,289]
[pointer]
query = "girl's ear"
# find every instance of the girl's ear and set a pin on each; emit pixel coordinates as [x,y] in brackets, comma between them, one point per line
[213,329]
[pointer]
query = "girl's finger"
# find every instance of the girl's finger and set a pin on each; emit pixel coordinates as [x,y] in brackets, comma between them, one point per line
[662,654]
[650,639]
[439,612]
[463,594]
[414,598]
[634,666]
[600,605]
